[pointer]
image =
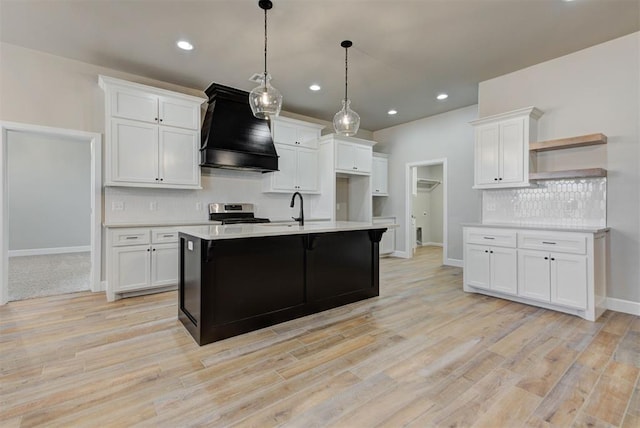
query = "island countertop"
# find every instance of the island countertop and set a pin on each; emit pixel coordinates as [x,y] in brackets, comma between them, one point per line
[235,231]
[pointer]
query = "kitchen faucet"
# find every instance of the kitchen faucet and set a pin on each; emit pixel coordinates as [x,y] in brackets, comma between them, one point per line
[293,200]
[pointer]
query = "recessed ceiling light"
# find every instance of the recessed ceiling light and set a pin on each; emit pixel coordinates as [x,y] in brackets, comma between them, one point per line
[392,112]
[184,45]
[315,87]
[442,97]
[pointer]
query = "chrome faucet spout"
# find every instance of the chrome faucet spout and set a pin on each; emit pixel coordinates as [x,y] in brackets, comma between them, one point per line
[300,218]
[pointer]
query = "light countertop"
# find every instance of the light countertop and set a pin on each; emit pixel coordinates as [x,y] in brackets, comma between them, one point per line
[163,223]
[275,229]
[555,228]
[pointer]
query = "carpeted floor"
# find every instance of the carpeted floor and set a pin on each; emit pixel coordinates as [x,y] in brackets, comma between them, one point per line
[47,275]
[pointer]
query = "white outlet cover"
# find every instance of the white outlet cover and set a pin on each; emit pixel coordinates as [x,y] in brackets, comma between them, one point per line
[198,206]
[153,205]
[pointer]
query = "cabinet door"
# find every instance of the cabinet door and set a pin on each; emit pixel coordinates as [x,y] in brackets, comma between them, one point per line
[345,156]
[363,156]
[512,150]
[308,137]
[136,105]
[569,280]
[307,169]
[504,273]
[131,268]
[533,275]
[178,156]
[180,113]
[164,265]
[487,152]
[284,133]
[285,178]
[379,176]
[134,156]
[388,242]
[477,266]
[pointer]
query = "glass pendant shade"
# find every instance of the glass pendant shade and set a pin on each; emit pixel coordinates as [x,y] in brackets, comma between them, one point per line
[265,100]
[346,121]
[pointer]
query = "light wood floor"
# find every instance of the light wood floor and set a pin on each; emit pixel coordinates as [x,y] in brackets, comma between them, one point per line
[424,353]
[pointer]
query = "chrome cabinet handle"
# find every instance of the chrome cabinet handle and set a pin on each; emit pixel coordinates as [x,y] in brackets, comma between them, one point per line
[489,237]
[550,243]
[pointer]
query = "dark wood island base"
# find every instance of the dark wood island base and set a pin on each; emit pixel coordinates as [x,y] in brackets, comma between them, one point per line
[232,286]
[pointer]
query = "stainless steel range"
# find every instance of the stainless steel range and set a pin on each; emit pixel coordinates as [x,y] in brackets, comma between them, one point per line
[230,213]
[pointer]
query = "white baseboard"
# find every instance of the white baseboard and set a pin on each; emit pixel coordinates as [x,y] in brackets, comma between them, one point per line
[103,286]
[454,262]
[401,254]
[44,251]
[432,244]
[626,306]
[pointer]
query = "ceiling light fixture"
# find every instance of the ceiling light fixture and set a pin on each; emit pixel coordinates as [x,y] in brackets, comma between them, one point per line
[315,87]
[392,112]
[184,45]
[346,121]
[265,100]
[442,97]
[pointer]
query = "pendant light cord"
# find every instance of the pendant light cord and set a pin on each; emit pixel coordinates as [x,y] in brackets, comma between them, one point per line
[346,72]
[265,46]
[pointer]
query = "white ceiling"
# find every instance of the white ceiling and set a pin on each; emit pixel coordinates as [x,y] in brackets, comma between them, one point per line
[405,51]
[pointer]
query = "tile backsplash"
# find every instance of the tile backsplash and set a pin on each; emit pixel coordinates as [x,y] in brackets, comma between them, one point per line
[569,202]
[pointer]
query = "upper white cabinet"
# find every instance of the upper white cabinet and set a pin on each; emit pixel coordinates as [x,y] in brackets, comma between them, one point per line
[380,175]
[152,136]
[296,143]
[295,132]
[353,158]
[501,150]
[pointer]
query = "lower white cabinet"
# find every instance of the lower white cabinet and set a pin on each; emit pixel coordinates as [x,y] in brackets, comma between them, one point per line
[141,259]
[553,277]
[388,241]
[492,268]
[565,271]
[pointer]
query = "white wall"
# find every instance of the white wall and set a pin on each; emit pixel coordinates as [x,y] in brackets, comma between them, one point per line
[49,191]
[590,91]
[446,135]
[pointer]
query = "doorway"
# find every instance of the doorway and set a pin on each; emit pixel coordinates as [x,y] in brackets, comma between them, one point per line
[51,208]
[426,206]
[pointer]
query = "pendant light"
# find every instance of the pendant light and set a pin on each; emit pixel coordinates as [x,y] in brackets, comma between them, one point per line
[346,121]
[265,100]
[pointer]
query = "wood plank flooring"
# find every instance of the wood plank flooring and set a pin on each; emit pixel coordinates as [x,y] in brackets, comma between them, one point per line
[422,354]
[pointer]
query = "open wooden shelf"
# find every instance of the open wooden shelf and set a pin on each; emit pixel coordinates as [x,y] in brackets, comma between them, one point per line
[573,173]
[566,143]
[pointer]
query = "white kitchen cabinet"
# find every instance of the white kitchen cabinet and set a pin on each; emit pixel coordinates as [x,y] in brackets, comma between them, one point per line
[554,277]
[296,143]
[141,260]
[353,158]
[294,132]
[388,241]
[560,270]
[298,171]
[379,175]
[501,148]
[492,268]
[152,136]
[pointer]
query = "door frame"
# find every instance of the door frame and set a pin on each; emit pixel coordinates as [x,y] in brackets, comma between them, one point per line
[408,207]
[92,138]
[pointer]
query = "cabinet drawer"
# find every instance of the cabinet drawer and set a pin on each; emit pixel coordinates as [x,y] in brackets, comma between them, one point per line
[494,237]
[130,237]
[552,242]
[163,235]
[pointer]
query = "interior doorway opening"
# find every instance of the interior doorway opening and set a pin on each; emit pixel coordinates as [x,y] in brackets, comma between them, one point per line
[51,210]
[426,206]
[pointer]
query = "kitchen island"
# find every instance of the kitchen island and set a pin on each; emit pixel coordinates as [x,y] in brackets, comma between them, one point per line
[238,278]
